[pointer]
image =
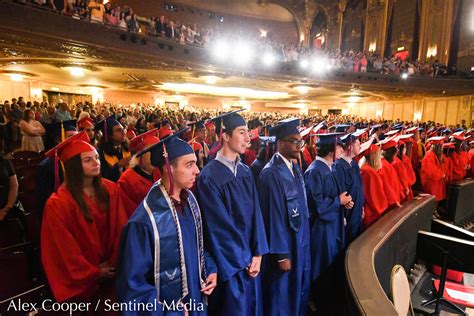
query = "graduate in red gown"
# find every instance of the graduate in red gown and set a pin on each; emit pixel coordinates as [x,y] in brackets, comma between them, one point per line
[391,182]
[375,200]
[82,224]
[432,173]
[135,182]
[403,168]
[448,149]
[460,158]
[471,158]
[406,149]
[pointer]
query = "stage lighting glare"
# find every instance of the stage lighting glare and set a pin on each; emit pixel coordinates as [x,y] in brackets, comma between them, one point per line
[243,53]
[221,50]
[268,59]
[404,75]
[304,64]
[302,89]
[320,64]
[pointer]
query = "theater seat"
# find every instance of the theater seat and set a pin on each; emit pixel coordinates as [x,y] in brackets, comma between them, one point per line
[452,275]
[400,290]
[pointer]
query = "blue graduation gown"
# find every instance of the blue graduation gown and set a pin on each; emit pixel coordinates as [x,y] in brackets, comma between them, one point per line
[234,230]
[45,183]
[256,167]
[285,212]
[350,180]
[326,218]
[136,268]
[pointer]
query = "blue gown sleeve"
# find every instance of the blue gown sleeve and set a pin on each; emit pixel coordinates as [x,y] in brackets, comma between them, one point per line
[274,210]
[326,208]
[340,174]
[135,268]
[258,239]
[210,263]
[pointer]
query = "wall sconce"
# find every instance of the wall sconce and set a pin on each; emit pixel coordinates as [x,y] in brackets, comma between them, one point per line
[432,51]
[417,116]
[372,47]
[378,114]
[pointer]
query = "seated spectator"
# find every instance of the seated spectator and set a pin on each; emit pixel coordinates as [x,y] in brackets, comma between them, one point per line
[32,132]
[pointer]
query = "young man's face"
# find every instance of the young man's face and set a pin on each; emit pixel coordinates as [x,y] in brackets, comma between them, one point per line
[290,146]
[339,151]
[118,134]
[185,171]
[239,140]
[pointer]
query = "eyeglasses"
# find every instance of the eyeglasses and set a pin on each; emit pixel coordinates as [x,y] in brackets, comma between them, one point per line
[297,143]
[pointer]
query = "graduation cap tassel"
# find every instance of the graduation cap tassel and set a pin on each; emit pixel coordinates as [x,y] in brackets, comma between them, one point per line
[56,171]
[63,133]
[105,131]
[168,168]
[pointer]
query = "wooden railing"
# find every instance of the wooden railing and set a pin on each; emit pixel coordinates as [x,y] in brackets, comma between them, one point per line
[389,241]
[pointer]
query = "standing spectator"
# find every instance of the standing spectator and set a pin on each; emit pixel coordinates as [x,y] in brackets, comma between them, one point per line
[133,23]
[3,129]
[363,63]
[160,26]
[170,30]
[14,119]
[32,131]
[8,188]
[62,114]
[122,23]
[97,11]
[112,17]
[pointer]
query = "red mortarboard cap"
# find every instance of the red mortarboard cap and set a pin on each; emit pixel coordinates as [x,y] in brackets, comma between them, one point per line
[448,145]
[71,147]
[164,132]
[388,143]
[85,122]
[144,140]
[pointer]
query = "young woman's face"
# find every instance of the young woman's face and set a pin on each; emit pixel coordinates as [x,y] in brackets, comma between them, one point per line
[90,163]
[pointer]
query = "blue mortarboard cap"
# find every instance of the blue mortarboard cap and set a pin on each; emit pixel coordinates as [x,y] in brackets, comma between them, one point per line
[285,128]
[107,125]
[54,130]
[397,126]
[175,147]
[197,125]
[232,120]
[460,129]
[342,128]
[329,139]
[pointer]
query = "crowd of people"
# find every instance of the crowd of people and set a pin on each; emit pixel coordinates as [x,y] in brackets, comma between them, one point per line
[284,52]
[252,210]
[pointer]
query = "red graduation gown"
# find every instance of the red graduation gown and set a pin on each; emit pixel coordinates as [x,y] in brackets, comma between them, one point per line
[448,168]
[391,182]
[431,174]
[72,248]
[460,162]
[410,173]
[249,156]
[375,199]
[133,188]
[471,161]
[308,159]
[403,177]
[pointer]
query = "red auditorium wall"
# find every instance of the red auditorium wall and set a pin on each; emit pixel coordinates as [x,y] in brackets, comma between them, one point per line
[286,31]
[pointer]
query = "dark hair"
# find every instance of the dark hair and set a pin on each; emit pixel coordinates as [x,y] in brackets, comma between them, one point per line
[26,115]
[325,149]
[390,153]
[400,151]
[74,178]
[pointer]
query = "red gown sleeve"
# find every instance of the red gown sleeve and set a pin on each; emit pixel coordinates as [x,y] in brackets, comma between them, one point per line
[69,273]
[392,195]
[402,177]
[431,174]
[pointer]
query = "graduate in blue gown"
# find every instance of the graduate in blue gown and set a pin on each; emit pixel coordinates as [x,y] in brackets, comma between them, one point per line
[265,153]
[233,223]
[162,259]
[350,180]
[286,273]
[326,218]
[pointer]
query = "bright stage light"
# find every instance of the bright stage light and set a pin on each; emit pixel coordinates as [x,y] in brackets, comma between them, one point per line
[304,63]
[320,64]
[268,59]
[302,89]
[221,50]
[404,75]
[242,53]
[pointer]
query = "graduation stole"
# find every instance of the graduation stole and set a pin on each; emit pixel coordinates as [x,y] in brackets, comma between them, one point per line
[170,269]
